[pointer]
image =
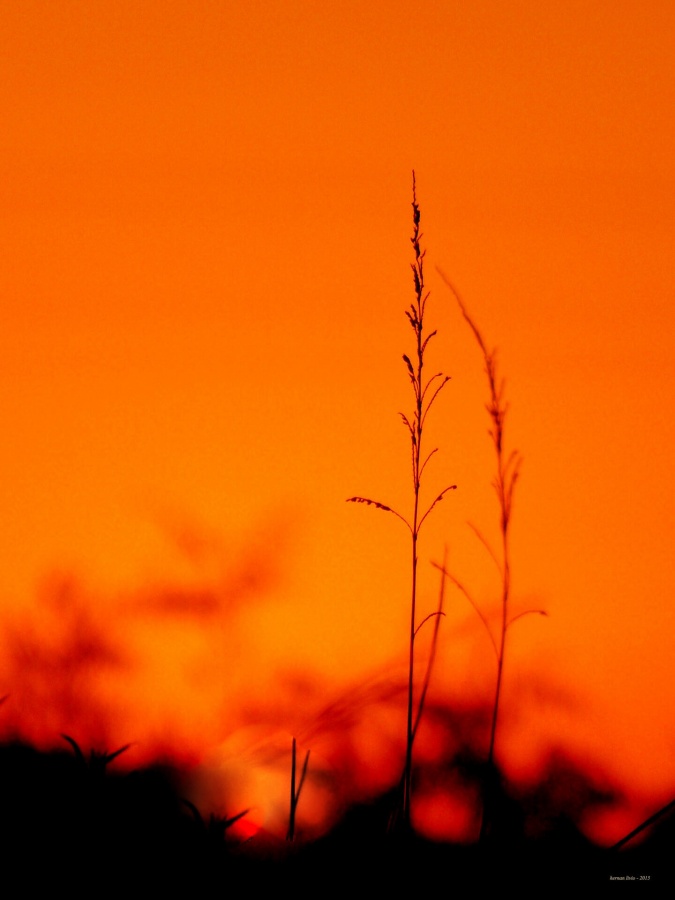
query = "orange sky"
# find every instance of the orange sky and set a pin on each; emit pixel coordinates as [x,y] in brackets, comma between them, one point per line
[205,222]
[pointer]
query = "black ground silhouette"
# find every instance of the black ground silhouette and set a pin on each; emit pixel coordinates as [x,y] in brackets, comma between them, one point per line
[73,821]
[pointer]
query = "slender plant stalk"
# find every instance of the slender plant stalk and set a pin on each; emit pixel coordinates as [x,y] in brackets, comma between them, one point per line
[425,393]
[508,470]
[650,821]
[295,792]
[434,643]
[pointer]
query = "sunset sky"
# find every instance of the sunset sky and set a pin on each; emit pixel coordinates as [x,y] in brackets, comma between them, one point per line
[205,220]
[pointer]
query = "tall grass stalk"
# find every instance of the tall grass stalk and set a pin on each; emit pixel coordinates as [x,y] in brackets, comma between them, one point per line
[425,391]
[507,474]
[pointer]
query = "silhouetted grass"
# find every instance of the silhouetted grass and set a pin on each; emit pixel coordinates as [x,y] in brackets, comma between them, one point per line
[425,391]
[295,791]
[505,480]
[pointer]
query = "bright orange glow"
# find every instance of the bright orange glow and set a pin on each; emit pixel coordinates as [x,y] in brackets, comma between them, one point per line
[205,222]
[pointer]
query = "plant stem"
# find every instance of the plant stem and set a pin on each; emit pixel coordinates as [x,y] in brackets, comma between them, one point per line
[291,816]
[415,370]
[504,484]
[424,397]
[417,322]
[295,793]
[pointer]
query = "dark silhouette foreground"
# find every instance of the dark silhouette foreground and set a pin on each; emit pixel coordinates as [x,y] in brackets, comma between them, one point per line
[75,823]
